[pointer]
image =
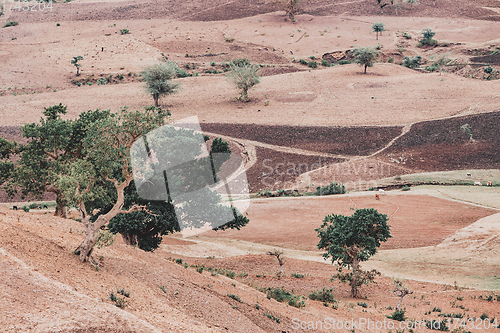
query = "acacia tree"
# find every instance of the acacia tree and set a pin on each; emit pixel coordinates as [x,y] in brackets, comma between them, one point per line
[244,76]
[159,80]
[349,240]
[291,8]
[279,255]
[401,291]
[365,57]
[378,28]
[75,63]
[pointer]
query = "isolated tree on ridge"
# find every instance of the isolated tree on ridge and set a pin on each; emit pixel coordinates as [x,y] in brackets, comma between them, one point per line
[349,240]
[365,56]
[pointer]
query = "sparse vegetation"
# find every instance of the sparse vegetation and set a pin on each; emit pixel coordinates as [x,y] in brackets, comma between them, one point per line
[427,39]
[235,297]
[10,24]
[281,295]
[324,295]
[333,188]
[412,62]
[124,31]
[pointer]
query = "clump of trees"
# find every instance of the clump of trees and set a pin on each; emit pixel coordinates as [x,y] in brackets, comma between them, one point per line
[349,240]
[378,28]
[244,76]
[365,57]
[87,163]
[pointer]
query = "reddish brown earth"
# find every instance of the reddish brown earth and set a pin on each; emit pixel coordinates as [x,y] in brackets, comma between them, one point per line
[441,145]
[416,221]
[333,140]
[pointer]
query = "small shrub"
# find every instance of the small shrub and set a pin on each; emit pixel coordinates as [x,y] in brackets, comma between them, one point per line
[398,315]
[406,188]
[163,289]
[120,302]
[58,24]
[281,295]
[178,261]
[123,292]
[488,70]
[10,24]
[303,62]
[312,64]
[33,205]
[484,316]
[436,309]
[124,31]
[406,35]
[25,208]
[102,81]
[344,62]
[235,297]
[298,275]
[276,319]
[363,304]
[412,62]
[213,64]
[332,188]
[323,295]
[325,63]
[257,306]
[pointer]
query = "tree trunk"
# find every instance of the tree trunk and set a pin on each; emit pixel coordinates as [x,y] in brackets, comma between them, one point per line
[377,34]
[129,239]
[61,210]
[365,68]
[84,250]
[355,277]
[157,104]
[399,303]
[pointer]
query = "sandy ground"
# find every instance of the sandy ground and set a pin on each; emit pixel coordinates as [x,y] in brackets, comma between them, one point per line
[437,236]
[38,61]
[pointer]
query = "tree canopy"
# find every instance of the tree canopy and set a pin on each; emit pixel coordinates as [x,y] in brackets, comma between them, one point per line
[244,76]
[349,240]
[365,56]
[159,80]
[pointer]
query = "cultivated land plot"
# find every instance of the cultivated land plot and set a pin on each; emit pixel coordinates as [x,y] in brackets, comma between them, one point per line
[416,221]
